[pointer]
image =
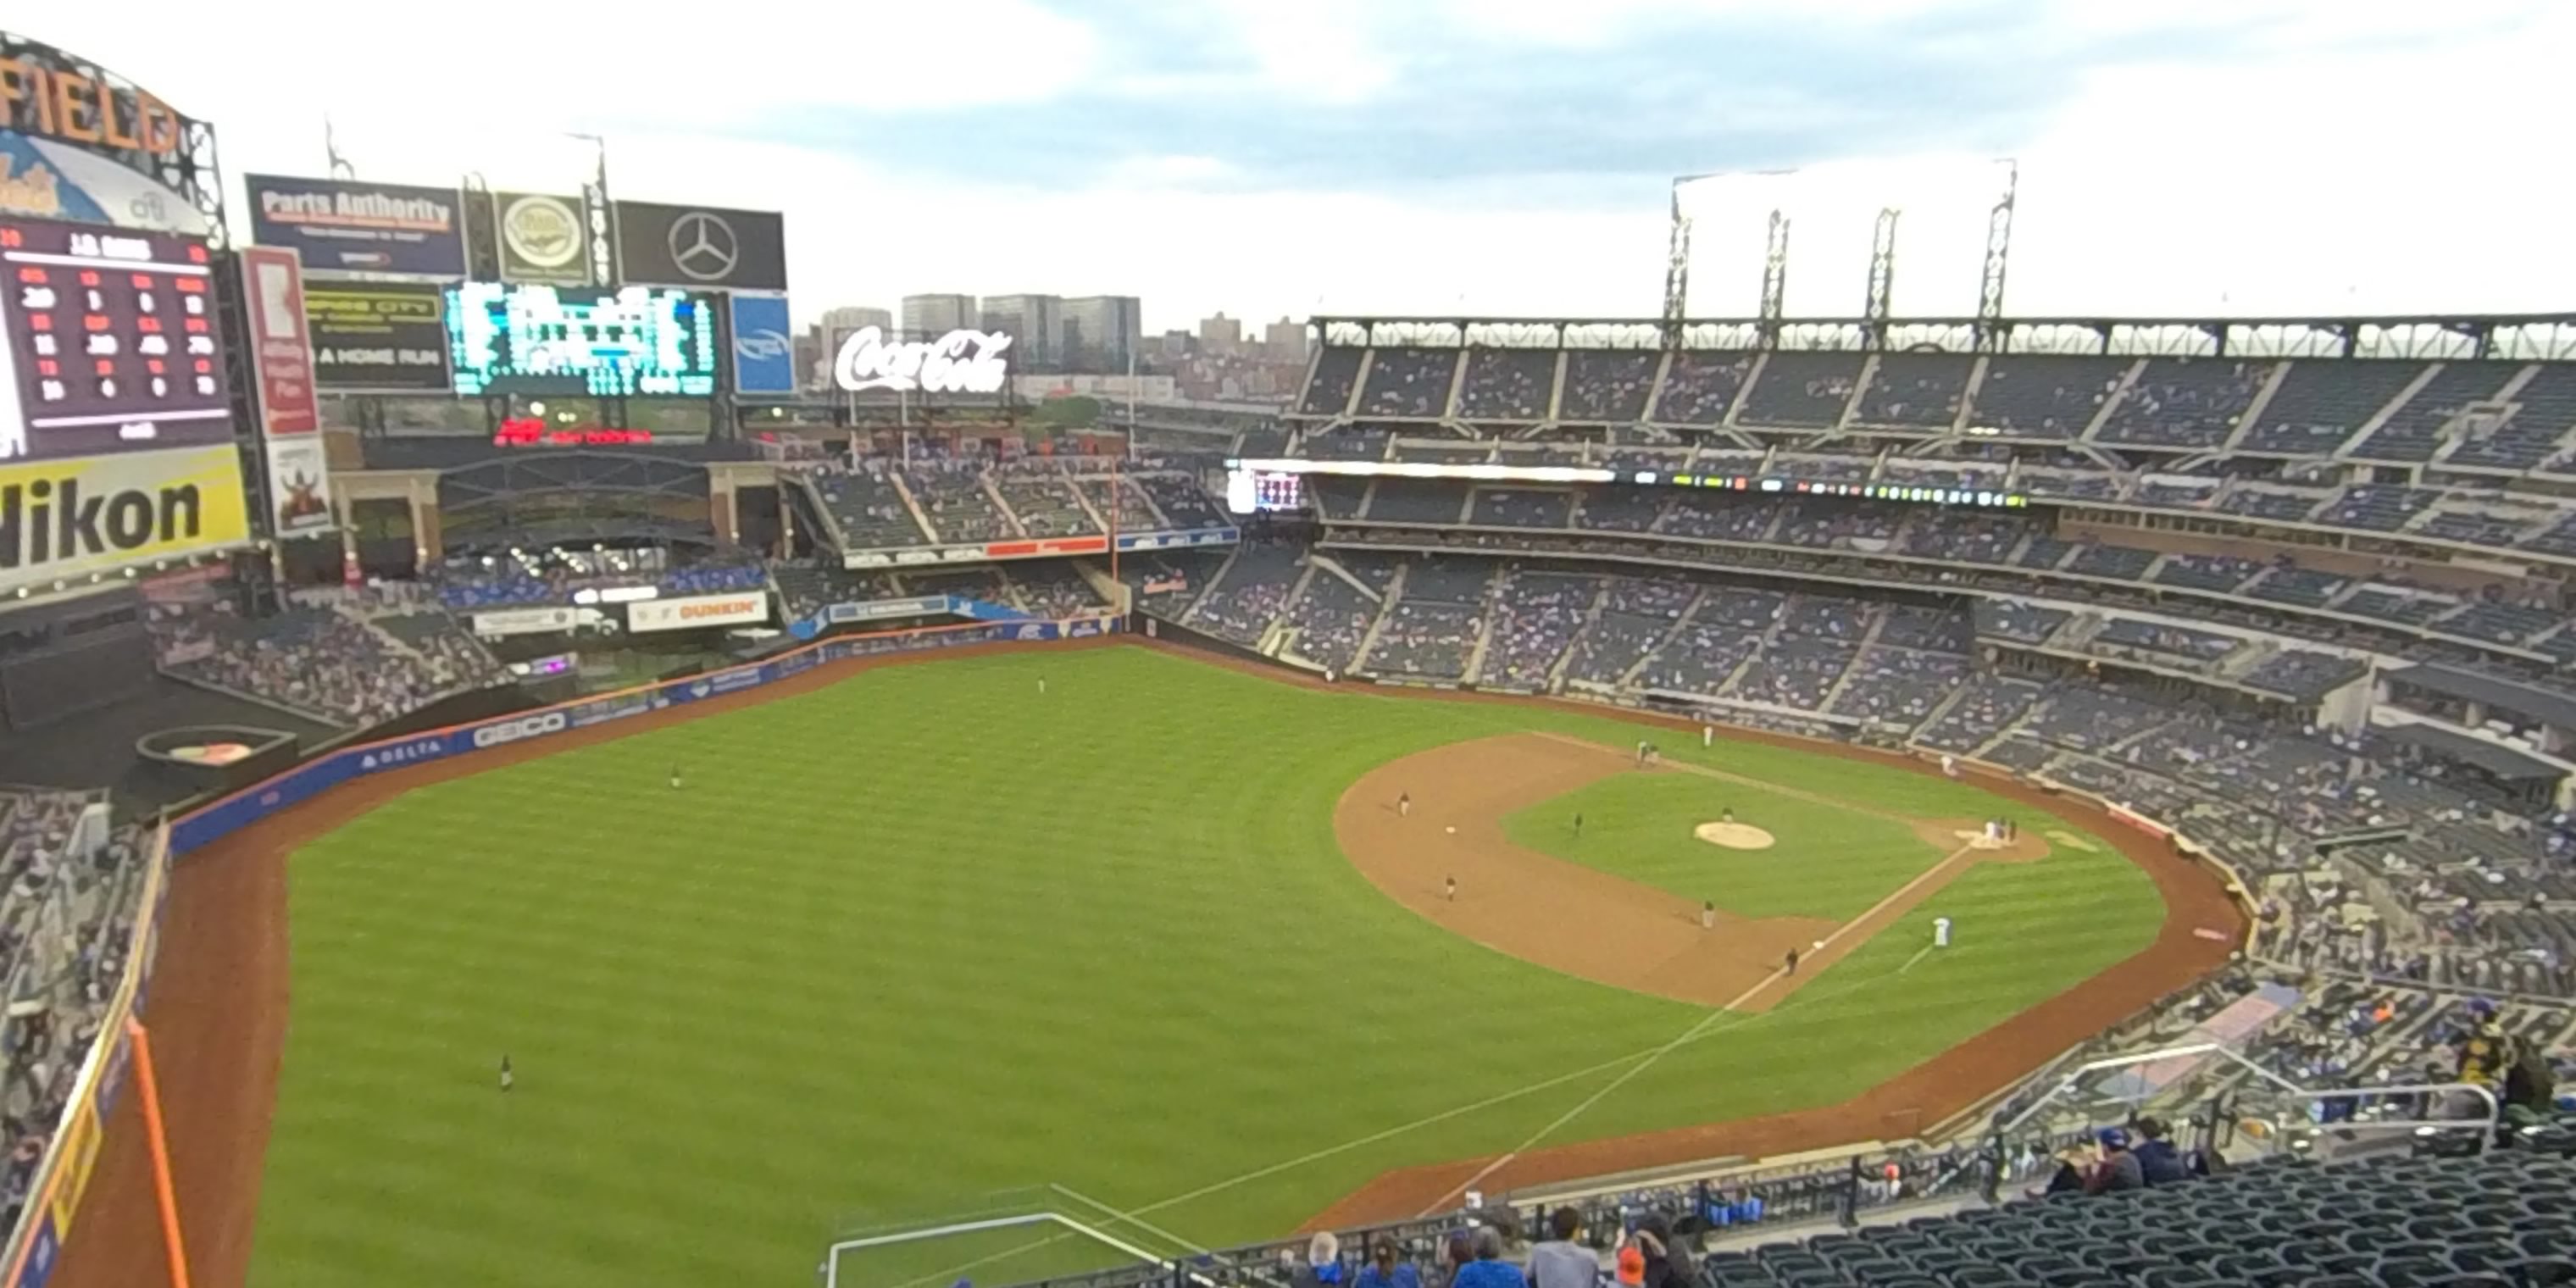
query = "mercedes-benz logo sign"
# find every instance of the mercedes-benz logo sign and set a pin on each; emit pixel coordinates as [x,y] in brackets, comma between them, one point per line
[703,246]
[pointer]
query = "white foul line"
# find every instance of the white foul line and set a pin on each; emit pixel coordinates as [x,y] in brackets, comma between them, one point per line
[1777,973]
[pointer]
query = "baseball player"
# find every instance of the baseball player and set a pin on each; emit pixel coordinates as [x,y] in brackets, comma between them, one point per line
[1708,915]
[1792,963]
[1578,827]
[1940,932]
[1641,753]
[1404,805]
[1453,889]
[1708,735]
[675,778]
[1726,815]
[1949,765]
[1041,686]
[505,1071]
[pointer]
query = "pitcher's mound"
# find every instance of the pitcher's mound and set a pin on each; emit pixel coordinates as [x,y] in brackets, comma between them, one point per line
[1734,836]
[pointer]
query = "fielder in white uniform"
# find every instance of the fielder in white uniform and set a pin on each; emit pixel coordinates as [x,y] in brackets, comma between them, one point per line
[1940,932]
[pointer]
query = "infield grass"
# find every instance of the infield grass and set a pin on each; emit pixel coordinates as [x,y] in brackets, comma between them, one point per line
[926,935]
[1827,860]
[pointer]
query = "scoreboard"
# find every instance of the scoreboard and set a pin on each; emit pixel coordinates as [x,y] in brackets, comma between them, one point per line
[639,341]
[112,342]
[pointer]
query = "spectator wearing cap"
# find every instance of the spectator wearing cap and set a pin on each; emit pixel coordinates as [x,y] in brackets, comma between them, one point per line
[1560,1262]
[1323,1268]
[1488,1270]
[2119,1168]
[2159,1163]
[1667,1266]
[1384,1271]
[1631,1266]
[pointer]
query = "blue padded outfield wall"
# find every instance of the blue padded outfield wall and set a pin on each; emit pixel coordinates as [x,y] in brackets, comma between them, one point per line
[312,778]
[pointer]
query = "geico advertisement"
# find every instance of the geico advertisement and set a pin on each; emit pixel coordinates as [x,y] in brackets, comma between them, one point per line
[62,519]
[697,610]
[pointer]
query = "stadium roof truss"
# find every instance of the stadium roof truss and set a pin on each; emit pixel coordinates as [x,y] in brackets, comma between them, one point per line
[2529,337]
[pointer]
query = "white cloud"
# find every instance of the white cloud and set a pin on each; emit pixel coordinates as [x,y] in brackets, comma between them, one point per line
[2407,162]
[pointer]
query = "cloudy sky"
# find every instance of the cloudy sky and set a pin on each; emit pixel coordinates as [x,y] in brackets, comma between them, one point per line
[1505,157]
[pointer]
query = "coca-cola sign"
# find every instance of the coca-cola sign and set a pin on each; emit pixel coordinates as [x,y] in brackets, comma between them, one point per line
[960,362]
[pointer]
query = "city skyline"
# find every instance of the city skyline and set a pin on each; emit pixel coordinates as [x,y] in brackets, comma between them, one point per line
[1496,157]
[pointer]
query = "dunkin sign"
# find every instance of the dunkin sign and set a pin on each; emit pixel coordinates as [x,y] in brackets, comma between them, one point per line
[696,611]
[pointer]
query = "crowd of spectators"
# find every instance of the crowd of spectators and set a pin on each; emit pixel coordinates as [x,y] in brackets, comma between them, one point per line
[535,578]
[864,502]
[954,497]
[329,657]
[1534,624]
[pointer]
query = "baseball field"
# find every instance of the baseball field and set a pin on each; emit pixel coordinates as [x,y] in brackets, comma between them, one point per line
[1213,951]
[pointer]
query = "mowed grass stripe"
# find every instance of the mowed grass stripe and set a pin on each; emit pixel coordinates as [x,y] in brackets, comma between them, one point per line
[927,935]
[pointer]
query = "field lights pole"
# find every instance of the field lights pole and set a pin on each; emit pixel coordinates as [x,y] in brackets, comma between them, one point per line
[155,1134]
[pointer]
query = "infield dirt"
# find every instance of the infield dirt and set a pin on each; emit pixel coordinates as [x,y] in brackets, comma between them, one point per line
[220,993]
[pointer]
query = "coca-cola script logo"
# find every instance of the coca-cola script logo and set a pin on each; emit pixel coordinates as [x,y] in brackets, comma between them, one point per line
[960,362]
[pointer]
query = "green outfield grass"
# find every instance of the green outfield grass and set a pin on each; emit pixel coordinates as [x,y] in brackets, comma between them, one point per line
[926,936]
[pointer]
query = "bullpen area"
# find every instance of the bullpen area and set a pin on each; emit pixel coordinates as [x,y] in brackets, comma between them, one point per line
[880,942]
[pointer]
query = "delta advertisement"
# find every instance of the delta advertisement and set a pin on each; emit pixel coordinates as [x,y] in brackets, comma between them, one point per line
[61,520]
[313,778]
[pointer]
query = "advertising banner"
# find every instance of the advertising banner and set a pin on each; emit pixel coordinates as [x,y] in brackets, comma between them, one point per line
[378,339]
[884,608]
[543,238]
[46,179]
[112,342]
[343,226]
[281,351]
[299,472]
[701,246]
[697,610]
[67,519]
[764,348]
[527,621]
[78,143]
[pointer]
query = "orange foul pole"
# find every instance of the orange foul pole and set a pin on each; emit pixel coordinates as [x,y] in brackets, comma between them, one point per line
[147,1082]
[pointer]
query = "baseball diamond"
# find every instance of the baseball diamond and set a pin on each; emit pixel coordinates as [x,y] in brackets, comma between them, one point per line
[904,982]
[539,751]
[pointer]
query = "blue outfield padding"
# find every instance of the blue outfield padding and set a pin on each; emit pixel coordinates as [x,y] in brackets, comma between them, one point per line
[312,778]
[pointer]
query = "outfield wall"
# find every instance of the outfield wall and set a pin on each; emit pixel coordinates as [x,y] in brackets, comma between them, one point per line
[63,1174]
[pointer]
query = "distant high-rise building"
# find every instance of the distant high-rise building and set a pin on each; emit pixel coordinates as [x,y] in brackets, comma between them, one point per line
[1284,341]
[850,317]
[806,352]
[1035,324]
[928,315]
[1220,335]
[1102,332]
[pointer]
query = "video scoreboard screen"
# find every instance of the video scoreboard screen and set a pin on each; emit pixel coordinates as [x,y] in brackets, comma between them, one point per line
[636,342]
[1250,490]
[112,342]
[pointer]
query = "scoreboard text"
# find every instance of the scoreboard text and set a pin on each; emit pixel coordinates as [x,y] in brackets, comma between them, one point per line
[112,341]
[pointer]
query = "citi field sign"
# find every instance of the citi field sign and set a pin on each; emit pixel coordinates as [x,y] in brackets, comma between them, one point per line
[49,95]
[960,362]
